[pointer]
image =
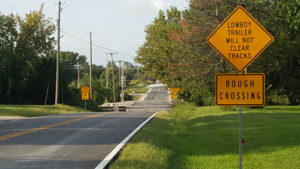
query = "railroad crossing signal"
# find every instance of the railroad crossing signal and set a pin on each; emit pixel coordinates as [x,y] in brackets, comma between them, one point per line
[240,39]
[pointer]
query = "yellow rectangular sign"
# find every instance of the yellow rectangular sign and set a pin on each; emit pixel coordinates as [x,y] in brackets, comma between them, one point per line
[240,89]
[174,96]
[85,93]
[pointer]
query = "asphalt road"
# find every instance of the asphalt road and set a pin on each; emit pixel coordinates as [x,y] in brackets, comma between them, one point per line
[71,141]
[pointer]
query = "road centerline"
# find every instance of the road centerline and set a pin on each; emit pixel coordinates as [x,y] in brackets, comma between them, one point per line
[156,98]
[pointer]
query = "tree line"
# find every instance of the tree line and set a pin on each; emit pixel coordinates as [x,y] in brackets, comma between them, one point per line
[28,62]
[175,49]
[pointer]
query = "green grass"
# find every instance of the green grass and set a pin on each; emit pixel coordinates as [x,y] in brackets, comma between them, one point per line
[36,110]
[137,83]
[136,90]
[137,97]
[137,87]
[207,138]
[133,82]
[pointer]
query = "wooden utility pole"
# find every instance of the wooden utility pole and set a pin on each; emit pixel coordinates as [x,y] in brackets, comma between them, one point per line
[138,73]
[57,55]
[78,67]
[122,82]
[113,76]
[91,64]
[120,62]
[107,73]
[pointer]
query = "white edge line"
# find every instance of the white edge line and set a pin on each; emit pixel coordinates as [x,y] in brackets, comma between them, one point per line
[115,151]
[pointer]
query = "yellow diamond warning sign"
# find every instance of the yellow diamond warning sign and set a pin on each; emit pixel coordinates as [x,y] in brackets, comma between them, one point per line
[85,93]
[174,93]
[240,89]
[240,39]
[175,90]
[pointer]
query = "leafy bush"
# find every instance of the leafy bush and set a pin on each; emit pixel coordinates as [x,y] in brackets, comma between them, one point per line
[128,97]
[179,117]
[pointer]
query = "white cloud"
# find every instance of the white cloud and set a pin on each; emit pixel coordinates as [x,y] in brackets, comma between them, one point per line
[160,4]
[136,7]
[143,6]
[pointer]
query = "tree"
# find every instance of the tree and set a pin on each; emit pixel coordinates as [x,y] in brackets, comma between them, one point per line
[24,41]
[8,37]
[175,50]
[158,51]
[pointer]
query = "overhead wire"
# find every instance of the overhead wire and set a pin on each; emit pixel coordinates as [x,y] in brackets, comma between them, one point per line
[97,45]
[74,16]
[71,21]
[84,28]
[75,37]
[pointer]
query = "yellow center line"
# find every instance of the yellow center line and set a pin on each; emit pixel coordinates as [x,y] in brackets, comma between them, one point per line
[5,137]
[156,98]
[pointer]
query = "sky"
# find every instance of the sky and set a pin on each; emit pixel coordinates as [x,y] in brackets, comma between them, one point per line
[118,25]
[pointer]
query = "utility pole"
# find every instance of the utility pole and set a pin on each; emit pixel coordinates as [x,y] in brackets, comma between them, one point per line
[120,65]
[122,83]
[138,72]
[113,76]
[106,73]
[126,68]
[78,67]
[217,6]
[57,55]
[91,64]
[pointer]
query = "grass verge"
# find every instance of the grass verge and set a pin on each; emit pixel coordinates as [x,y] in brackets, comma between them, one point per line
[136,86]
[208,139]
[137,97]
[36,110]
[136,90]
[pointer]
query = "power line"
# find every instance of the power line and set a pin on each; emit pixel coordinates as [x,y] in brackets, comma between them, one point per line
[74,37]
[97,45]
[73,15]
[73,22]
[83,28]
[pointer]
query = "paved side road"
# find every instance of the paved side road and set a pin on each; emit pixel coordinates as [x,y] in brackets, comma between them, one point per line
[6,118]
[70,141]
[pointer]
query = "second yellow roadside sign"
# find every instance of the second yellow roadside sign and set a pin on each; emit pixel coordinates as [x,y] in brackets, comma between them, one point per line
[240,89]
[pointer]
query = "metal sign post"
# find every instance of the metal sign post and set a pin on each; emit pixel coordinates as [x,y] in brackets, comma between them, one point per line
[85,95]
[241,136]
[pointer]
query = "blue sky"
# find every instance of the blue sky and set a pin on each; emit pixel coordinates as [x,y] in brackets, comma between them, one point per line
[116,24]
